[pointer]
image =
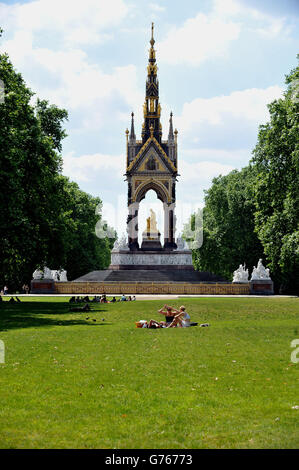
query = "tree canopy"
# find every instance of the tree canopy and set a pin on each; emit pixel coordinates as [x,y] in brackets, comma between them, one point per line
[228,225]
[276,159]
[45,219]
[254,212]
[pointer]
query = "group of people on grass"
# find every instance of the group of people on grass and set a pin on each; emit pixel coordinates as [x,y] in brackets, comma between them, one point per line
[100,298]
[97,298]
[173,318]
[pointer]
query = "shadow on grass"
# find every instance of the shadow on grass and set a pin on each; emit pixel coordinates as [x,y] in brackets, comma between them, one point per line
[30,314]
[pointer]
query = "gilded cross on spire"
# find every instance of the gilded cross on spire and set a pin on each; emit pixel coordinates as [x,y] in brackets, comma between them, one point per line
[152,41]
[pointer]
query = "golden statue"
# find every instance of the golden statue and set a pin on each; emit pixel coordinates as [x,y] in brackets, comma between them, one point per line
[151,223]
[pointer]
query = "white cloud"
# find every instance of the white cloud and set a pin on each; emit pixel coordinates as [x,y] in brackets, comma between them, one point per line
[201,173]
[206,36]
[79,84]
[234,156]
[246,105]
[263,24]
[156,7]
[199,39]
[88,167]
[61,71]
[77,22]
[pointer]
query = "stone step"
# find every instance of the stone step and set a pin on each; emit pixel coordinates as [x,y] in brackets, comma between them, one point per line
[143,275]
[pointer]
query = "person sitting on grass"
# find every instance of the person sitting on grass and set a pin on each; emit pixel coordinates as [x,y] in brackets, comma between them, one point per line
[181,319]
[169,313]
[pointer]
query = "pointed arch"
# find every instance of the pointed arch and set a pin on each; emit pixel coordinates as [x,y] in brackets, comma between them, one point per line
[155,186]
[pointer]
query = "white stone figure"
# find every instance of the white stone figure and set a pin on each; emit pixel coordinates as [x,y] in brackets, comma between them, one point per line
[115,246]
[123,245]
[55,274]
[47,273]
[38,274]
[241,275]
[181,244]
[260,272]
[63,275]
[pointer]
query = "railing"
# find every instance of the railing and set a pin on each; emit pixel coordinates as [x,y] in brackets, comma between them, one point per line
[150,288]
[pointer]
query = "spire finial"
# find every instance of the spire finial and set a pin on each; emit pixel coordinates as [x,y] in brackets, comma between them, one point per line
[132,134]
[152,41]
[170,135]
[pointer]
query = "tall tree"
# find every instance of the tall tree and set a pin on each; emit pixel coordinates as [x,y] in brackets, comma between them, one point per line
[80,250]
[276,158]
[28,165]
[44,218]
[228,225]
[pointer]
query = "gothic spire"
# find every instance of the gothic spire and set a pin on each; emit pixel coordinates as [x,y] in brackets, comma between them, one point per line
[170,134]
[132,133]
[151,107]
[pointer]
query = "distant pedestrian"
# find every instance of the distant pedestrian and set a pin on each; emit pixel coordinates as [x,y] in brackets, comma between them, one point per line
[5,290]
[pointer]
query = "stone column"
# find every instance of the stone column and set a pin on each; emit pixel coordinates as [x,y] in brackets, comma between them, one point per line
[132,226]
[169,226]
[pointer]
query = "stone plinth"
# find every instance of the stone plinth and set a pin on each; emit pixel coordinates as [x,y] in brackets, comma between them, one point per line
[146,259]
[262,286]
[42,286]
[151,241]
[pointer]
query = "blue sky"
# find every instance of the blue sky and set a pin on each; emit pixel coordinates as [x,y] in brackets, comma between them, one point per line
[220,63]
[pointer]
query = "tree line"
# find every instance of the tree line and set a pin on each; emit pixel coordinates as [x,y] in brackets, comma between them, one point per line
[254,213]
[45,219]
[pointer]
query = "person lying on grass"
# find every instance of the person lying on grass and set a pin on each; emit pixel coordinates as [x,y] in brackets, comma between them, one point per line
[154,324]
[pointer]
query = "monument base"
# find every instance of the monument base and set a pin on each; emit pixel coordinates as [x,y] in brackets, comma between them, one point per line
[151,245]
[151,241]
[151,259]
[262,287]
[42,286]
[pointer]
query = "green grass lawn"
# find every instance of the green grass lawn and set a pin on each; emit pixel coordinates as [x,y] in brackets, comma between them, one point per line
[68,382]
